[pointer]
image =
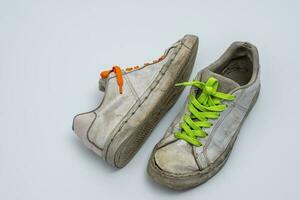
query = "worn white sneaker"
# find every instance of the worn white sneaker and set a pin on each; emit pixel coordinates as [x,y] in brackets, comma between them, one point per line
[201,137]
[135,100]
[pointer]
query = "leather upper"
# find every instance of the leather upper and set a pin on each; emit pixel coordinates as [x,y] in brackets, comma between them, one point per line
[97,126]
[179,157]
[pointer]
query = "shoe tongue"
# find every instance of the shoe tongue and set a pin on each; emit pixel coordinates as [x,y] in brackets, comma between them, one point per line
[225,84]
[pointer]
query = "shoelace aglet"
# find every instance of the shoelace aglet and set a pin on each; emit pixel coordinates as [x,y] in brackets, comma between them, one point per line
[121,89]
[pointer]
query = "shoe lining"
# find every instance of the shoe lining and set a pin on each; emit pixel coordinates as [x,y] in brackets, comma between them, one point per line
[238,68]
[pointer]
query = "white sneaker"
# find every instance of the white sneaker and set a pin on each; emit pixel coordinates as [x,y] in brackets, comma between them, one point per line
[201,137]
[135,100]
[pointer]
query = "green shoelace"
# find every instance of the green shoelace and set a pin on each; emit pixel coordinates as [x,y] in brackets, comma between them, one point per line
[206,106]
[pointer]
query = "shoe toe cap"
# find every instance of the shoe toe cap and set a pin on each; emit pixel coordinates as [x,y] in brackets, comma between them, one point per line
[176,158]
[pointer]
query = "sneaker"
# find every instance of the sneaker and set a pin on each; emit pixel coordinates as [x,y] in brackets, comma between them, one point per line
[135,99]
[200,139]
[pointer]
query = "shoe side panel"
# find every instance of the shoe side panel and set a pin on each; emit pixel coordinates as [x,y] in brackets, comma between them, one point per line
[114,108]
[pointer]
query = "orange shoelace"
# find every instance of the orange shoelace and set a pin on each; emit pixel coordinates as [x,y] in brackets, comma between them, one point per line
[117,70]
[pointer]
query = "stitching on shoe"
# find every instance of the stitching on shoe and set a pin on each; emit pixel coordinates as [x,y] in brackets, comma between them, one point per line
[149,90]
[134,92]
[96,116]
[216,127]
[242,108]
[142,67]
[235,105]
[219,161]
[132,88]
[165,66]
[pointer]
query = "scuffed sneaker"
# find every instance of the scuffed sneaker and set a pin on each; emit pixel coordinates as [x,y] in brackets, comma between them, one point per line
[135,100]
[200,139]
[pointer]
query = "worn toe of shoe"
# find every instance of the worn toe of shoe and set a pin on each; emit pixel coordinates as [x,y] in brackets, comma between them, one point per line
[176,158]
[172,164]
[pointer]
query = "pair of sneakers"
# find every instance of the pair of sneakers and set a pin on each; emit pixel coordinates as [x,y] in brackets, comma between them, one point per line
[200,139]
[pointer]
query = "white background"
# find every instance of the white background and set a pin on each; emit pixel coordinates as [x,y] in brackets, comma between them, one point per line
[51,53]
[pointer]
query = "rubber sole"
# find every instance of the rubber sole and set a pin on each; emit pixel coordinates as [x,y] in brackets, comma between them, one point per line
[125,145]
[194,179]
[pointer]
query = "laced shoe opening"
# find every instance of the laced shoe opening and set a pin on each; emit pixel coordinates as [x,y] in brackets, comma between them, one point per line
[239,66]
